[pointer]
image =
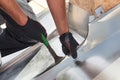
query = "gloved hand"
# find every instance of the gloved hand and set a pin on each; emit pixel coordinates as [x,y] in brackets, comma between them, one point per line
[29,33]
[69,44]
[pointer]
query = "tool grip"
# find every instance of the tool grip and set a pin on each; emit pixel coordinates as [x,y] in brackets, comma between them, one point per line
[45,41]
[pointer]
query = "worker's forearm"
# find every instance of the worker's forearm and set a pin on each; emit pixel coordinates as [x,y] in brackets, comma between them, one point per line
[14,11]
[58,11]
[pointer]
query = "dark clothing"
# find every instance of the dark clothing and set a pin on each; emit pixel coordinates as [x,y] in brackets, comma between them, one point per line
[8,44]
[16,37]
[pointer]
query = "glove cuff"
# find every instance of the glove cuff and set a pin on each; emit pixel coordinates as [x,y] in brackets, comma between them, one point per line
[63,36]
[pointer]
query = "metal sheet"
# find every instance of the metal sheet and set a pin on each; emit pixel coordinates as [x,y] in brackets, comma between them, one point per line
[100,49]
[91,63]
[101,45]
[11,69]
[42,60]
[110,73]
[102,28]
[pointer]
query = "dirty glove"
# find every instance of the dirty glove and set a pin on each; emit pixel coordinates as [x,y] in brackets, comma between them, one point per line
[69,44]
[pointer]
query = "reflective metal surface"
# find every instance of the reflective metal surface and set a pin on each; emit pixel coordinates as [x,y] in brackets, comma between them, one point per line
[96,64]
[102,28]
[78,20]
[11,69]
[99,51]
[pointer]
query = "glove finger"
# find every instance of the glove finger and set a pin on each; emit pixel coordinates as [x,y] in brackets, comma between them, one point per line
[73,51]
[65,50]
[73,47]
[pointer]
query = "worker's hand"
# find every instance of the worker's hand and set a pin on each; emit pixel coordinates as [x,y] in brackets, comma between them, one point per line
[69,44]
[30,32]
[34,29]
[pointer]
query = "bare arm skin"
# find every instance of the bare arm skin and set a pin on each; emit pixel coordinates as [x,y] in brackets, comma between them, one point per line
[58,10]
[13,10]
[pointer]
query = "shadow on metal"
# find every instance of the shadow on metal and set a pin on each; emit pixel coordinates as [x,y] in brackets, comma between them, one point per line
[9,70]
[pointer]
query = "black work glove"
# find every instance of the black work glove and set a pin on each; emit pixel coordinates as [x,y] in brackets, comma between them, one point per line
[69,44]
[29,33]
